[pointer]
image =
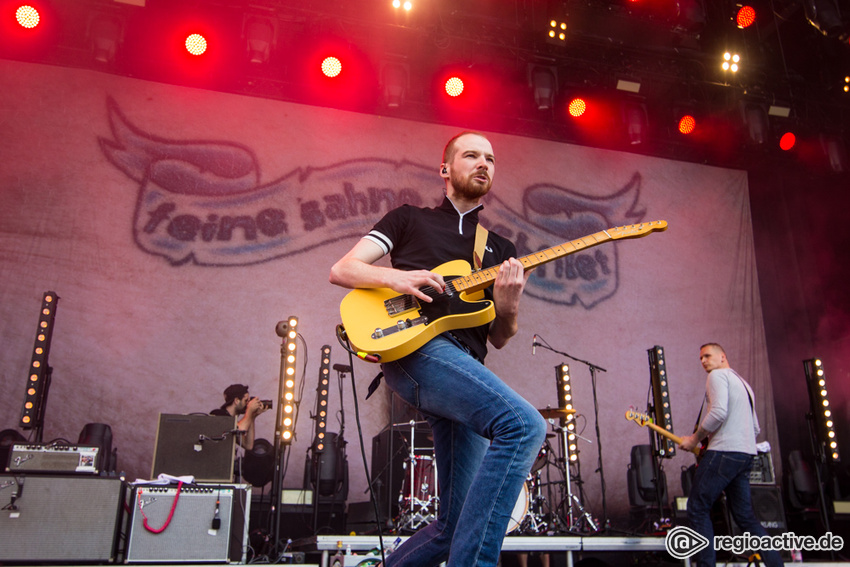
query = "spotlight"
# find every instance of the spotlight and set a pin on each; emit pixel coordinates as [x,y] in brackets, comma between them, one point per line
[394,83]
[331,67]
[27,16]
[105,34]
[787,141]
[825,16]
[196,44]
[544,84]
[577,107]
[755,121]
[687,124]
[658,380]
[38,381]
[827,446]
[289,332]
[635,122]
[258,35]
[731,62]
[835,151]
[745,17]
[454,86]
[557,32]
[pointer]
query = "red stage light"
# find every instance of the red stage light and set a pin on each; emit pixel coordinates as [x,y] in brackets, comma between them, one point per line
[745,17]
[331,67]
[27,16]
[687,124]
[577,107]
[787,141]
[454,86]
[196,44]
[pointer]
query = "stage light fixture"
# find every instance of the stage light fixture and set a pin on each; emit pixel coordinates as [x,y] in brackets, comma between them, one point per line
[322,396]
[27,16]
[408,6]
[287,402]
[731,62]
[557,32]
[105,34]
[821,411]
[787,141]
[543,81]
[756,122]
[835,151]
[565,401]
[661,400]
[687,124]
[394,83]
[825,16]
[331,67]
[577,107]
[846,86]
[40,372]
[745,16]
[635,121]
[196,44]
[454,86]
[259,36]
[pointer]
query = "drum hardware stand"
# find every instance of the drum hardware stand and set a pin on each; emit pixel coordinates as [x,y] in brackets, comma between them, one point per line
[593,370]
[418,511]
[571,498]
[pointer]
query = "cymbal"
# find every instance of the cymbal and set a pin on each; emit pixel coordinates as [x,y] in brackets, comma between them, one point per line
[552,413]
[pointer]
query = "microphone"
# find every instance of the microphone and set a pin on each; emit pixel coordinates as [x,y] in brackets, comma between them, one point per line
[534,345]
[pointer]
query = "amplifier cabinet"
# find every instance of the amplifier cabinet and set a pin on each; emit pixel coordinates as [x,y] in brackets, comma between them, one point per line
[59,519]
[28,458]
[209,523]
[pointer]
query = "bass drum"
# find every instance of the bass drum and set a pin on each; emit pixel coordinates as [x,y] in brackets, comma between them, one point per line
[520,509]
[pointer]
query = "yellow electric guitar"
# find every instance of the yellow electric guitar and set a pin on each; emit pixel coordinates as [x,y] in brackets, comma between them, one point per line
[389,326]
[645,421]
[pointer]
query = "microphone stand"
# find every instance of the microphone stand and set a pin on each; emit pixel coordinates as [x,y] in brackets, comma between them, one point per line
[593,370]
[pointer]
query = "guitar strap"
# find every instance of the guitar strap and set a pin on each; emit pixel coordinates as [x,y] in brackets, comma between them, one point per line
[749,397]
[480,242]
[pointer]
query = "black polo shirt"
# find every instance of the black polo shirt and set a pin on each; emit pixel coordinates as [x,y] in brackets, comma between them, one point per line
[422,239]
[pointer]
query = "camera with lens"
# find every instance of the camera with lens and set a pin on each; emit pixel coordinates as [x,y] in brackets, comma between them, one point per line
[267,404]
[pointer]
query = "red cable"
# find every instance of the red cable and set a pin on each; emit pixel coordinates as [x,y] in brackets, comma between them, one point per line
[170,514]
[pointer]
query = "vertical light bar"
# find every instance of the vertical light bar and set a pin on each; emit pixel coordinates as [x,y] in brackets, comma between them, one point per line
[288,402]
[322,399]
[32,414]
[821,410]
[565,401]
[661,398]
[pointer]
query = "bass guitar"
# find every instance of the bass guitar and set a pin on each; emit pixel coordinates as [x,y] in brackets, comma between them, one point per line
[645,421]
[386,326]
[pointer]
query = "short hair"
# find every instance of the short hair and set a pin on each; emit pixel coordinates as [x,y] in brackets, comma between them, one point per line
[714,345]
[234,392]
[449,150]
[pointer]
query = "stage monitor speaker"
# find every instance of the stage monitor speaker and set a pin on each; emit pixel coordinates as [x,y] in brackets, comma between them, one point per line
[209,524]
[59,519]
[199,445]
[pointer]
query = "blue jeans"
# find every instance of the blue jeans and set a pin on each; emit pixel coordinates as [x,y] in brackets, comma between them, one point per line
[486,437]
[724,471]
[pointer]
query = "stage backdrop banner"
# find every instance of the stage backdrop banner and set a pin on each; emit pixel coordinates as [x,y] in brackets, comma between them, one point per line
[178,226]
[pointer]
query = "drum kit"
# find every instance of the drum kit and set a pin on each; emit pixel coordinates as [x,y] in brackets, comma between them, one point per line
[532,514]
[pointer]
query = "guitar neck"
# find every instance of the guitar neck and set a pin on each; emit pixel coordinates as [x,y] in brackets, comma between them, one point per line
[674,438]
[483,278]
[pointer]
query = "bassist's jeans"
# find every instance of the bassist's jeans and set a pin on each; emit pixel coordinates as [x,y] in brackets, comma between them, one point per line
[729,472]
[486,437]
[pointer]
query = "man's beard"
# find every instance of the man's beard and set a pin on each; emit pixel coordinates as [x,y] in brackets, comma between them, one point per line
[469,188]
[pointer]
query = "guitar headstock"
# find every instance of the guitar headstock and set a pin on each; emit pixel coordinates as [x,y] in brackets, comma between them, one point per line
[640,418]
[637,230]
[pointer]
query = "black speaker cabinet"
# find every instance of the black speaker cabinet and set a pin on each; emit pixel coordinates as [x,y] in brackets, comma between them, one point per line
[195,444]
[59,519]
[767,504]
[209,523]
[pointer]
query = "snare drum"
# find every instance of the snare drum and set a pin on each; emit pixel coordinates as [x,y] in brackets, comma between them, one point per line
[420,484]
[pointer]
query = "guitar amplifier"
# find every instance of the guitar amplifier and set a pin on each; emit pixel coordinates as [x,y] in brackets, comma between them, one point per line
[203,523]
[64,459]
[762,471]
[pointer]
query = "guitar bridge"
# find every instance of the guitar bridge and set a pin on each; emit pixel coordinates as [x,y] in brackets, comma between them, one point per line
[400,304]
[401,325]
